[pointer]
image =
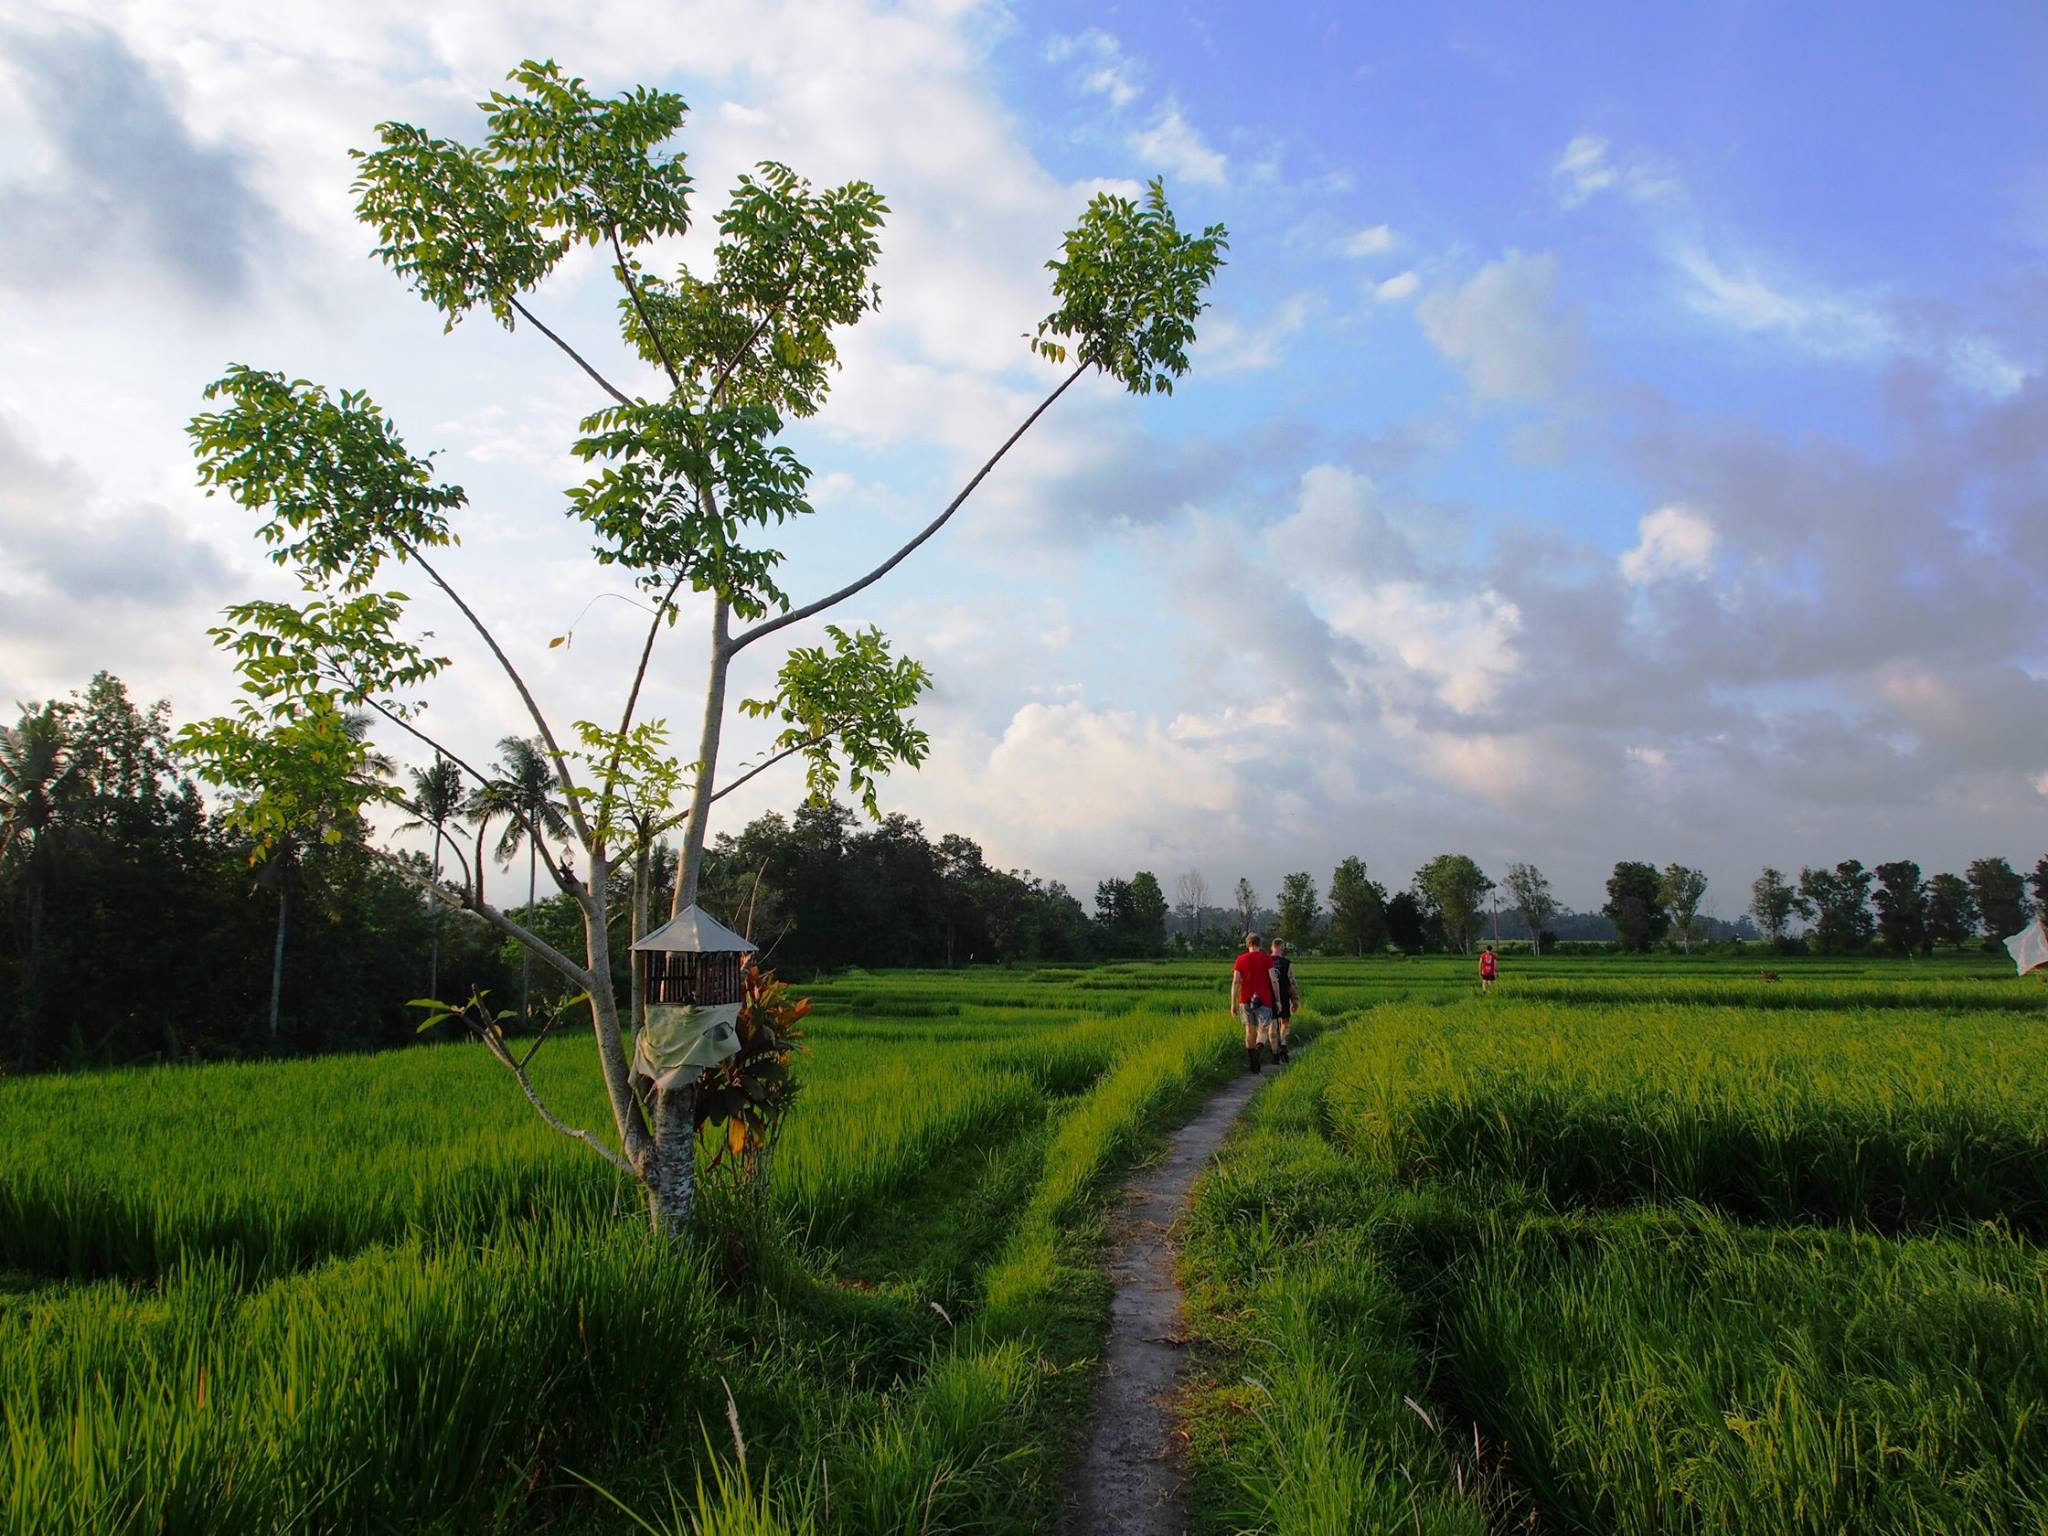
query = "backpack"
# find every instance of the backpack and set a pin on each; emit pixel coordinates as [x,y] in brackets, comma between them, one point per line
[1286,989]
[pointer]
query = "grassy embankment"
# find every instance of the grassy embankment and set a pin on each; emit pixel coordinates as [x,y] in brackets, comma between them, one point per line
[1651,1252]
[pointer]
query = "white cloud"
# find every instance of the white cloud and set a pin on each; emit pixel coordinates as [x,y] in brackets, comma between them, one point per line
[1835,325]
[1585,169]
[1227,345]
[1216,690]
[1498,768]
[1104,68]
[1505,329]
[1173,145]
[1369,242]
[1674,541]
[1460,645]
[1396,288]
[1073,789]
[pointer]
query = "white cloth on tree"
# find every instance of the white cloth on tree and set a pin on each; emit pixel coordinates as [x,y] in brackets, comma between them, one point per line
[682,1040]
[2028,948]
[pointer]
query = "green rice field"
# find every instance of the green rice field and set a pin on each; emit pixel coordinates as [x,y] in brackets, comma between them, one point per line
[1641,1250]
[1626,1246]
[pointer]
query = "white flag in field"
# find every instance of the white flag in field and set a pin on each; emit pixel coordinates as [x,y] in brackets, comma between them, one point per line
[2028,948]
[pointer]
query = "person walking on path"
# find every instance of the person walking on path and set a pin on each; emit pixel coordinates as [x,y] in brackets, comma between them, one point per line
[1286,993]
[1488,967]
[1251,994]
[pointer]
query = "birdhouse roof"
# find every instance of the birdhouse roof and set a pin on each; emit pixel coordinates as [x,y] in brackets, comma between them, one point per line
[695,931]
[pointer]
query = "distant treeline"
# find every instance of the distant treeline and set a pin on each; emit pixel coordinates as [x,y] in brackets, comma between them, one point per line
[135,926]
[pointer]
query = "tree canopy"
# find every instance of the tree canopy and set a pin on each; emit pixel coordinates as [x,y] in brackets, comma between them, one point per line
[688,486]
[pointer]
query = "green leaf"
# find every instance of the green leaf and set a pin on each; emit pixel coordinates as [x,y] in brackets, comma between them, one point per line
[1130,285]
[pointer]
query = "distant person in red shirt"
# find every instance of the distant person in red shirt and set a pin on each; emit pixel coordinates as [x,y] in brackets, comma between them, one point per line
[1251,994]
[1488,967]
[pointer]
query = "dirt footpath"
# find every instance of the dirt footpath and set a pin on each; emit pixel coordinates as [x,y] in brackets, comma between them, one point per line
[1129,1481]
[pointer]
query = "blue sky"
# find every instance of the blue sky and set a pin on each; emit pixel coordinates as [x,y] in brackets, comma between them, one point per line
[1620,431]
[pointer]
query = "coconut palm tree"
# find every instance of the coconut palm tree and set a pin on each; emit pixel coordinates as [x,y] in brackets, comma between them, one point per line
[522,790]
[438,796]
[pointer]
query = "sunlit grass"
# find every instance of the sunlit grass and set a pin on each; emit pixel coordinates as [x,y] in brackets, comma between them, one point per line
[1627,1254]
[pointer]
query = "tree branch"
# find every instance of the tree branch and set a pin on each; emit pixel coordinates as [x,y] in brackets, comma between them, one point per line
[441,835]
[602,382]
[611,768]
[505,1059]
[796,615]
[763,767]
[417,734]
[561,873]
[726,368]
[547,735]
[439,830]
[469,902]
[646,321]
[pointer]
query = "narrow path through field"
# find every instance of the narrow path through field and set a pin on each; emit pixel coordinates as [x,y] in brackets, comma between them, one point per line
[1129,1481]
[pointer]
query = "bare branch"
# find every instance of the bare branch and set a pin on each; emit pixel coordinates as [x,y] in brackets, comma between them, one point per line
[558,870]
[796,615]
[646,321]
[555,755]
[541,1039]
[725,369]
[421,736]
[440,833]
[497,1049]
[764,766]
[611,768]
[469,902]
[603,383]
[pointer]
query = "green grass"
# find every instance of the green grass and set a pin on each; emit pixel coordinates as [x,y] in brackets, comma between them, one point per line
[1681,1373]
[376,1294]
[1625,1253]
[1892,1118]
[1627,1246]
[280,1165]
[1299,1413]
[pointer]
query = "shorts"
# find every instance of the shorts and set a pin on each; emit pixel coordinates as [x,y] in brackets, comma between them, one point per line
[1283,1013]
[1257,1015]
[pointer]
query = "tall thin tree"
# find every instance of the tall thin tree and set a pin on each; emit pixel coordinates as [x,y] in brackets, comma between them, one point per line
[437,799]
[522,792]
[685,485]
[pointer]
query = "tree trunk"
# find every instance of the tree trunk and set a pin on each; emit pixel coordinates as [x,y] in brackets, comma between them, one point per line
[434,922]
[692,864]
[643,877]
[641,1150]
[277,958]
[525,954]
[670,1168]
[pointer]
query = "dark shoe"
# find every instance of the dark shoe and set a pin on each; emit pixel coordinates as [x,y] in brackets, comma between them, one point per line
[1251,1058]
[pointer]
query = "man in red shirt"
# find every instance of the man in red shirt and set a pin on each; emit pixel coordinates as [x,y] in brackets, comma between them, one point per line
[1251,993]
[1487,967]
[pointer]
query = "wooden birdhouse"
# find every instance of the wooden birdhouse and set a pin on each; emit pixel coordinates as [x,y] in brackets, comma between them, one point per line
[690,980]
